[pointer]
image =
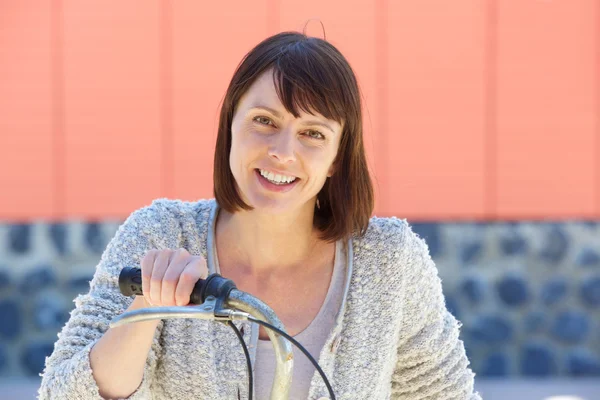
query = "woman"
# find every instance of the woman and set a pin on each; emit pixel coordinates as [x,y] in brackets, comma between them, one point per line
[289,224]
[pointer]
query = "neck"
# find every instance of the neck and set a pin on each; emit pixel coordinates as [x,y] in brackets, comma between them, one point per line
[261,243]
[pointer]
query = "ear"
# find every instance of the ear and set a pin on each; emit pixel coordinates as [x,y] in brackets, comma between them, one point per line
[331,171]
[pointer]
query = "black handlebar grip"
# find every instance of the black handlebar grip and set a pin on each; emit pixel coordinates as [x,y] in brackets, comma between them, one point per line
[130,283]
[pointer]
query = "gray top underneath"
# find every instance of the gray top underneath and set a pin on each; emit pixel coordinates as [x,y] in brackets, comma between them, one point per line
[312,338]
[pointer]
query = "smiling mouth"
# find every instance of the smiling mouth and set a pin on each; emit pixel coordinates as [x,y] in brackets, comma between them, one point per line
[276,182]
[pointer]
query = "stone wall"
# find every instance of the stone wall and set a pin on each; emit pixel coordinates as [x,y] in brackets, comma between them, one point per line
[528,294]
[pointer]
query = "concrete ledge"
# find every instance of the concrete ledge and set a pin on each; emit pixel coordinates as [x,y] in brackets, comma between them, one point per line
[490,389]
[539,389]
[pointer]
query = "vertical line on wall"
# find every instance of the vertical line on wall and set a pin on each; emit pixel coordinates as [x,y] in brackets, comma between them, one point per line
[165,54]
[58,109]
[382,92]
[490,117]
[597,120]
[273,17]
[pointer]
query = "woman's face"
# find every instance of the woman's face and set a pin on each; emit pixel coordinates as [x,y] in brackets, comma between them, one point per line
[267,140]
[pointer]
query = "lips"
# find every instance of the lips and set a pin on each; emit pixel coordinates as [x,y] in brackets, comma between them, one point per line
[277,176]
[275,187]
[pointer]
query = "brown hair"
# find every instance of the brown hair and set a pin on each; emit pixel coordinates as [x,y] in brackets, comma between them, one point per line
[309,74]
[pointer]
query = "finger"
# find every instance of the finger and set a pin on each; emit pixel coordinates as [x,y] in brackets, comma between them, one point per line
[177,264]
[161,264]
[193,271]
[147,263]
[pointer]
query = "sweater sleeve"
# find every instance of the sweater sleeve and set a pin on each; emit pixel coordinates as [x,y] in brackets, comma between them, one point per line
[68,374]
[432,363]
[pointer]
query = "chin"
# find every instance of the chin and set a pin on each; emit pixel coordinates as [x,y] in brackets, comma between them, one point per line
[272,206]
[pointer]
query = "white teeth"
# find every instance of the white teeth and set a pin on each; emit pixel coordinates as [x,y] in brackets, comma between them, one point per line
[276,178]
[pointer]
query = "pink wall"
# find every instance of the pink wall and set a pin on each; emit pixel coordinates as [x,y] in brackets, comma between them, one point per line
[474,109]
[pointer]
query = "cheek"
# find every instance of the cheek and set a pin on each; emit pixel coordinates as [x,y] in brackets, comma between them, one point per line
[243,149]
[246,137]
[236,154]
[328,164]
[319,163]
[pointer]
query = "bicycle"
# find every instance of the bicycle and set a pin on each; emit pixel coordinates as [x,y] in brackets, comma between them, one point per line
[218,299]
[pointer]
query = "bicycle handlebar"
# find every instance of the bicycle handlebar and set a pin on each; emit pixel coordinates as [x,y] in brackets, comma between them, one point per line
[212,296]
[130,283]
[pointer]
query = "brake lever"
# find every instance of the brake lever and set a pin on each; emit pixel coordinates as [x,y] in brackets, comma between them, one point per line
[211,310]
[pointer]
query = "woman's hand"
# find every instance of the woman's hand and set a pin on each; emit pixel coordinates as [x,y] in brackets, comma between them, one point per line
[169,276]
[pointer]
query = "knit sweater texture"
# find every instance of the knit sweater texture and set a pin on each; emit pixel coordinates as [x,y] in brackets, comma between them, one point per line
[393,338]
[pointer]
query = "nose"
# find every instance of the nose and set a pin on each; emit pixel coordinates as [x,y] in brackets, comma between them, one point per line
[282,147]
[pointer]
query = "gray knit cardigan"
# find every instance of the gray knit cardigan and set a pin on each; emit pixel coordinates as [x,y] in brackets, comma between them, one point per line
[393,337]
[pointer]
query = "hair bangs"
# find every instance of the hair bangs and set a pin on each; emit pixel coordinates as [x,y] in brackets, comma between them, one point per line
[302,84]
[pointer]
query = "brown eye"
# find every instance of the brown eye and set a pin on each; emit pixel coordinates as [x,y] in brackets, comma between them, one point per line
[262,120]
[315,134]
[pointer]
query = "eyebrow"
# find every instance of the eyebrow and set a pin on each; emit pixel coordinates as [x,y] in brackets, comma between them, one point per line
[278,115]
